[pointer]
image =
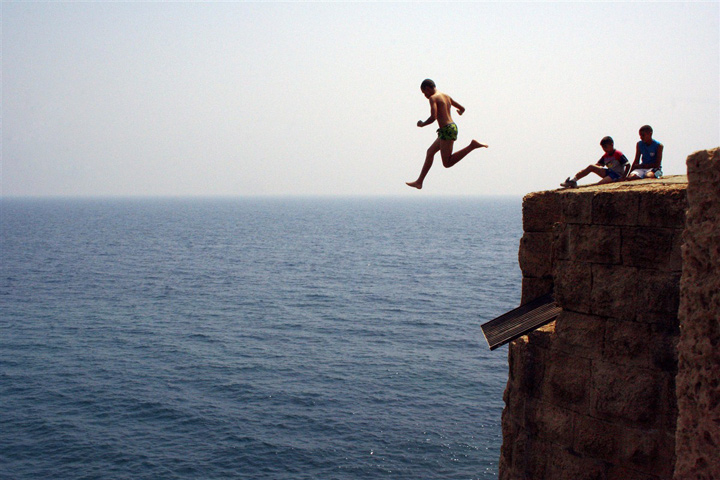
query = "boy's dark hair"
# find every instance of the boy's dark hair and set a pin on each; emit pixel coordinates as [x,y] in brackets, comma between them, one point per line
[606,141]
[427,83]
[646,128]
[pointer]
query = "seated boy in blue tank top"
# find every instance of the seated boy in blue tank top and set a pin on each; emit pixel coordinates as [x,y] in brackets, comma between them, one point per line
[649,153]
[611,167]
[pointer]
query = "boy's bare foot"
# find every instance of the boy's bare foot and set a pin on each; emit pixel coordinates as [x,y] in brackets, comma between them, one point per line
[414,184]
[476,144]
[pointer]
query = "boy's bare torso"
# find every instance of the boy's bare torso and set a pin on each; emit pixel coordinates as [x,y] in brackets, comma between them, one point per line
[442,103]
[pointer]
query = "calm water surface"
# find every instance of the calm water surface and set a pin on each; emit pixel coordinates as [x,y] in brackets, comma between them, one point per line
[253,339]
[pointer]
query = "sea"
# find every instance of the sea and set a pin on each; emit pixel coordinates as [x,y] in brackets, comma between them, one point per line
[254,337]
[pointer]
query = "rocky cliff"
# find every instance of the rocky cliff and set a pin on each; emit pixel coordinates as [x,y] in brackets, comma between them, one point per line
[697,443]
[593,394]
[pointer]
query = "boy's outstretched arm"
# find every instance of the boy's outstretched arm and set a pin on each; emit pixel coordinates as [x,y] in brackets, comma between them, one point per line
[460,108]
[433,115]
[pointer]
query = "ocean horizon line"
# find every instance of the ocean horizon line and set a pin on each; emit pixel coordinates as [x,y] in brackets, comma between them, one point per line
[256,197]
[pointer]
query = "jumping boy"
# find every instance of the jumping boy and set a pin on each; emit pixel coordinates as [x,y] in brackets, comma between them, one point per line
[650,151]
[440,105]
[611,167]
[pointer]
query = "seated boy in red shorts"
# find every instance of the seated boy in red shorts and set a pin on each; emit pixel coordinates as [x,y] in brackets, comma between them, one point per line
[611,167]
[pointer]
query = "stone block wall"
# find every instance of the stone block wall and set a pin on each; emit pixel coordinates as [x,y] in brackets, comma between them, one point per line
[592,395]
[698,381]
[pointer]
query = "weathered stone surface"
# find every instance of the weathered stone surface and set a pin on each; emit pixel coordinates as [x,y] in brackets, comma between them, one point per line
[566,464]
[664,339]
[576,207]
[593,244]
[561,243]
[622,473]
[549,423]
[540,211]
[597,438]
[535,254]
[573,285]
[530,457]
[628,343]
[527,364]
[533,288]
[659,292]
[626,394]
[652,248]
[669,320]
[567,382]
[542,338]
[614,291]
[615,208]
[663,208]
[698,379]
[649,454]
[514,456]
[579,334]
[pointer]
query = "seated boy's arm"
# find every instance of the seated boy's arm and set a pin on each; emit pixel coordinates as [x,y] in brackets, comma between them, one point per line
[658,156]
[637,158]
[626,166]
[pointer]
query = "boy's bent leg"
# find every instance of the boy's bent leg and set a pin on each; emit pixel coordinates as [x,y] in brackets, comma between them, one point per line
[450,159]
[429,157]
[446,151]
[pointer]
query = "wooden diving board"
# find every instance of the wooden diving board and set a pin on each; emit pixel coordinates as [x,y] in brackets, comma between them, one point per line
[521,321]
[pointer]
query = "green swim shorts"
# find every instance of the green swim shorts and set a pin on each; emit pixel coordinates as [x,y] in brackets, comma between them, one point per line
[448,132]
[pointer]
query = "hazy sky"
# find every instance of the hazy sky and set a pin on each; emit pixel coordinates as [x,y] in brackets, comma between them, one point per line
[323,98]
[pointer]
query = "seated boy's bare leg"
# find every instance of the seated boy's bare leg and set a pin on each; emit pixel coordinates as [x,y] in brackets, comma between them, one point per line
[590,169]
